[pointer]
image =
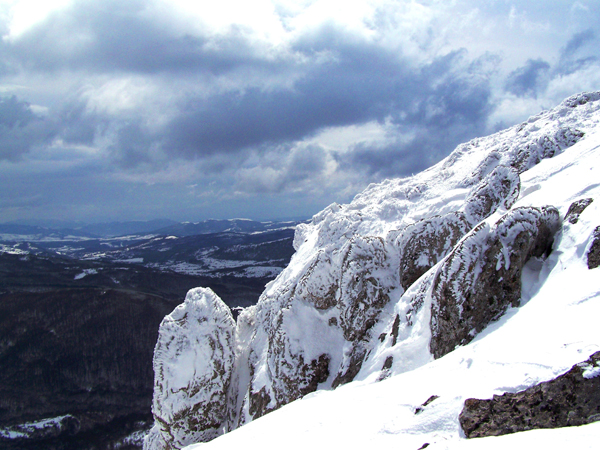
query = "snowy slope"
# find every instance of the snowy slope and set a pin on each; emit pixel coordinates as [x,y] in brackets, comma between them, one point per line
[357,306]
[555,328]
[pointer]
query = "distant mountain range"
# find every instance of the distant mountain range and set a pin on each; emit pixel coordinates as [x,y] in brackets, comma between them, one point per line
[36,230]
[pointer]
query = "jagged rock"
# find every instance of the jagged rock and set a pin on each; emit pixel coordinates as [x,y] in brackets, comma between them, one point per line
[489,163]
[420,409]
[279,368]
[523,157]
[368,276]
[576,209]
[193,362]
[364,291]
[319,284]
[569,400]
[593,255]
[499,188]
[581,99]
[339,295]
[482,275]
[351,365]
[426,242]
[293,375]
[545,147]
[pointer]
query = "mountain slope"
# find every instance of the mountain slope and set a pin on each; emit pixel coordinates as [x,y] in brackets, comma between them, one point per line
[464,280]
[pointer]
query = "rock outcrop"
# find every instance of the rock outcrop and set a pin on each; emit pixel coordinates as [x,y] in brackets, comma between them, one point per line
[593,255]
[423,244]
[499,188]
[481,278]
[569,400]
[576,208]
[409,270]
[193,362]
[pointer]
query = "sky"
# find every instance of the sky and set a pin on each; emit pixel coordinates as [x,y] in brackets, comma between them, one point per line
[189,110]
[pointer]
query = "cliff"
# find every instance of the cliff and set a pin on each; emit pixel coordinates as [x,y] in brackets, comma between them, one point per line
[407,273]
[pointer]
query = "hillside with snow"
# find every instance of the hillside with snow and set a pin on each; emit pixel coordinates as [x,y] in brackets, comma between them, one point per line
[477,277]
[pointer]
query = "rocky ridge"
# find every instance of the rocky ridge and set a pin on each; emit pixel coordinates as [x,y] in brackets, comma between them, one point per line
[408,271]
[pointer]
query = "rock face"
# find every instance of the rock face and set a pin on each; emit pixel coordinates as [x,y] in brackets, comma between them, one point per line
[569,400]
[409,270]
[482,275]
[426,242]
[593,256]
[500,188]
[193,362]
[576,209]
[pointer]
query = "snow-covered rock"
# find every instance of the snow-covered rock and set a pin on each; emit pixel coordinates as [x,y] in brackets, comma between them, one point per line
[193,362]
[571,399]
[414,267]
[593,254]
[482,276]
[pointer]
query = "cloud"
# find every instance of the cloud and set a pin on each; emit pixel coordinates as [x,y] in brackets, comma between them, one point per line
[452,105]
[580,51]
[286,170]
[358,83]
[111,36]
[530,79]
[299,103]
[21,129]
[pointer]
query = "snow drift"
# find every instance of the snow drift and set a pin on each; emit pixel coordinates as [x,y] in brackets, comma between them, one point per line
[396,285]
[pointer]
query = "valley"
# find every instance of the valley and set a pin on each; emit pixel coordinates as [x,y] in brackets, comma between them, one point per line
[79,318]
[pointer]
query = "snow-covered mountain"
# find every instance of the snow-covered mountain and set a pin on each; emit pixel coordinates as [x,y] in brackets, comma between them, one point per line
[473,278]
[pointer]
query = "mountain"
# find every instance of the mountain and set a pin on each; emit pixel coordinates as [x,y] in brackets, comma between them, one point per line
[475,278]
[111,229]
[254,250]
[41,230]
[76,345]
[29,230]
[221,226]
[18,232]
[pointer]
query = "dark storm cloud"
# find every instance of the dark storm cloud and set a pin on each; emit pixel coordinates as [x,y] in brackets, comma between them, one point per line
[133,105]
[533,78]
[131,145]
[343,79]
[530,79]
[21,129]
[113,36]
[78,125]
[452,107]
[306,163]
[360,83]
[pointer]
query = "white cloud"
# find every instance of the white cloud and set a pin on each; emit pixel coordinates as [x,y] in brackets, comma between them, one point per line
[311,98]
[24,14]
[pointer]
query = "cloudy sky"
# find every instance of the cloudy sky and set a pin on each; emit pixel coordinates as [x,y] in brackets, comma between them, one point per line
[139,109]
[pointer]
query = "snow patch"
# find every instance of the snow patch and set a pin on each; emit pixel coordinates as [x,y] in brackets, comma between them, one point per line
[85,273]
